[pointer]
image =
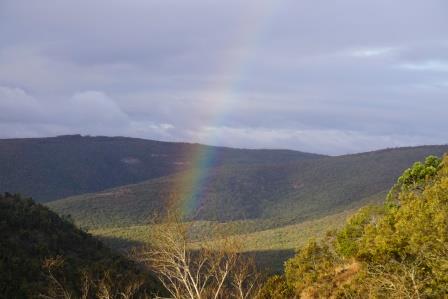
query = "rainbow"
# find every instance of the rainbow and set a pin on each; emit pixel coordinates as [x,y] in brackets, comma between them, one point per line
[221,98]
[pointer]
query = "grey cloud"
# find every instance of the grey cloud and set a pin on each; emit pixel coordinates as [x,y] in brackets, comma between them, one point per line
[332,77]
[18,106]
[311,140]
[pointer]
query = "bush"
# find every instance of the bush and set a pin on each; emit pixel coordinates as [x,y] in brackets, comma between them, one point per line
[399,250]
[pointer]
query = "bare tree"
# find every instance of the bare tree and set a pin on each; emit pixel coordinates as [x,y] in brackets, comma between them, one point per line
[57,288]
[206,270]
[102,288]
[401,280]
[107,289]
[246,280]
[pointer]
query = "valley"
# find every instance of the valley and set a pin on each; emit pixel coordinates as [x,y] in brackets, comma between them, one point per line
[269,202]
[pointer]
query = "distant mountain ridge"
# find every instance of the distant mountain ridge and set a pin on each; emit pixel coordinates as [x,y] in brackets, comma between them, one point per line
[56,167]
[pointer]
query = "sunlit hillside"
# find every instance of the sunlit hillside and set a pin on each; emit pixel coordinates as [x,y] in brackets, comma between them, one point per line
[276,193]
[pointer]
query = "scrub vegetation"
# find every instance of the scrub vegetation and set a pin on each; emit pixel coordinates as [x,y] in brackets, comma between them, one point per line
[395,250]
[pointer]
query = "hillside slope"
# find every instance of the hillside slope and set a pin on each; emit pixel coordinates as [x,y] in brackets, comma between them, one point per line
[31,233]
[282,193]
[52,168]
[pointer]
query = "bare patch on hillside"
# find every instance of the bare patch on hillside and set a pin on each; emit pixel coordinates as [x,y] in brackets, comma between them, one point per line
[131,160]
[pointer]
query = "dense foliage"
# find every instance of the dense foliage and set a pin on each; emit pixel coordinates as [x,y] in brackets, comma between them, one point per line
[34,241]
[398,250]
[52,168]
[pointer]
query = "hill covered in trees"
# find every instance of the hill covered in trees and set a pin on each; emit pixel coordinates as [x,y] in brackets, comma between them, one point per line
[272,195]
[44,255]
[57,167]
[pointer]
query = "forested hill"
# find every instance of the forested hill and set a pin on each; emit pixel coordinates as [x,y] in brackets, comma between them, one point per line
[38,247]
[281,193]
[57,167]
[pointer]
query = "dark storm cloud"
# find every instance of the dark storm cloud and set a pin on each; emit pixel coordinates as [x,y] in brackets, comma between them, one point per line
[332,77]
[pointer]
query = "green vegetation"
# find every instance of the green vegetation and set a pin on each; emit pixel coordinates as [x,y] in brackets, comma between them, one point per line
[274,208]
[268,201]
[285,237]
[53,168]
[38,247]
[272,194]
[271,246]
[398,250]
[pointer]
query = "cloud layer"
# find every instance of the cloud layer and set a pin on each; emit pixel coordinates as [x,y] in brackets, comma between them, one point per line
[339,77]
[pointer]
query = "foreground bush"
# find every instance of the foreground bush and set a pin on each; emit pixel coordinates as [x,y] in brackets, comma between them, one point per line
[398,250]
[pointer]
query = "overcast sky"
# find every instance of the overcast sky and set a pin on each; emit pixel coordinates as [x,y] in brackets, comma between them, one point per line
[330,77]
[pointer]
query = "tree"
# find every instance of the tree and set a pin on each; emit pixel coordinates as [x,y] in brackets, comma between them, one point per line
[415,177]
[91,286]
[276,287]
[313,266]
[206,270]
[399,250]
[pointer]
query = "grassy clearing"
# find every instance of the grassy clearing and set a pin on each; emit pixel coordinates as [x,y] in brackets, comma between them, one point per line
[272,247]
[283,238]
[291,236]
